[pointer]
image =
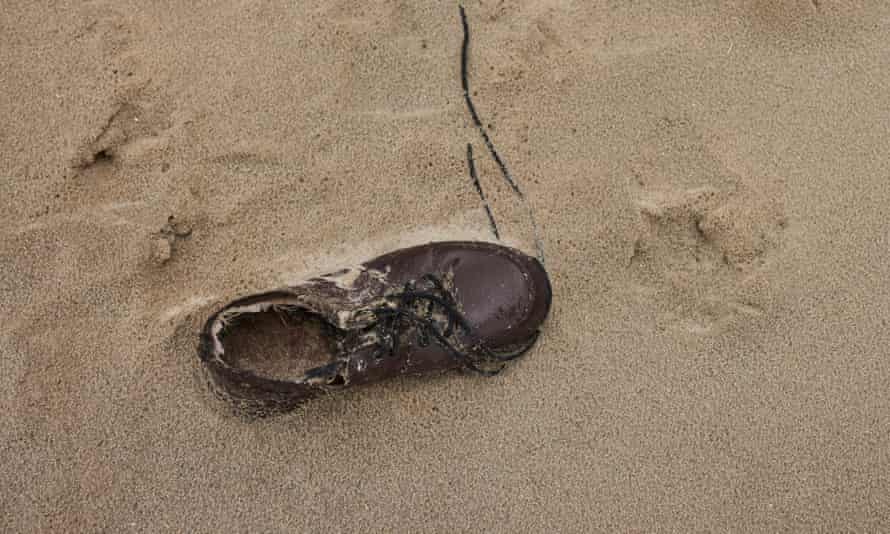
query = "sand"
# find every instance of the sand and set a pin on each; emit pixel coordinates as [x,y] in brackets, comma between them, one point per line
[710,182]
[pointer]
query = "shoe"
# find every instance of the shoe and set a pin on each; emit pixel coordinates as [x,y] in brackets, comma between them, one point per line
[434,307]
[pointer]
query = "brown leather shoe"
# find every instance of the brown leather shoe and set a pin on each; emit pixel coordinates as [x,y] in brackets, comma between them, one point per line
[428,308]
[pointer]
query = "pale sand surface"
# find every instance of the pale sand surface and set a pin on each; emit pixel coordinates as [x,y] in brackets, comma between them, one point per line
[712,185]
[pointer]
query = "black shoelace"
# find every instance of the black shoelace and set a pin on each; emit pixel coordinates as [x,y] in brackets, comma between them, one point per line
[415,307]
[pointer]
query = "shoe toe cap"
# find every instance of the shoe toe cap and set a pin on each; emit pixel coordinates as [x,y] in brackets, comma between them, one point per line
[505,295]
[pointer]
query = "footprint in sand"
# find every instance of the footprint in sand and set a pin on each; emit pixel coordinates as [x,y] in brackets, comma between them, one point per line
[136,119]
[705,236]
[134,131]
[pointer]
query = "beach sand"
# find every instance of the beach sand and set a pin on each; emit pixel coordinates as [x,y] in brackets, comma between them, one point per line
[711,183]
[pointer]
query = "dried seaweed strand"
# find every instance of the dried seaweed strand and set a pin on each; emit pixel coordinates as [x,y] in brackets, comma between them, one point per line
[478,186]
[491,150]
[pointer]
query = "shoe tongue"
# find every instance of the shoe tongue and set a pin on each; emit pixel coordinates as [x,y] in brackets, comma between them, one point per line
[343,298]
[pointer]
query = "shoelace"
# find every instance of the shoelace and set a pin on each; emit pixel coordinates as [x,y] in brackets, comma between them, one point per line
[414,307]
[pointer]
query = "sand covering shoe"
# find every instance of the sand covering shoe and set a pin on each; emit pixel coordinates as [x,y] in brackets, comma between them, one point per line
[433,307]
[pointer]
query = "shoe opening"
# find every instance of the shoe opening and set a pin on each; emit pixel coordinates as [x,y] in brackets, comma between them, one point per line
[276,342]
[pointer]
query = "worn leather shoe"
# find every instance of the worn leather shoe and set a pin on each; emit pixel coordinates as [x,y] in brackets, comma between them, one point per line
[434,307]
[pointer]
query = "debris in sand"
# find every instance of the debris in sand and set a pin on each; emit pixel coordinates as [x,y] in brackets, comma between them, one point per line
[161,250]
[163,240]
